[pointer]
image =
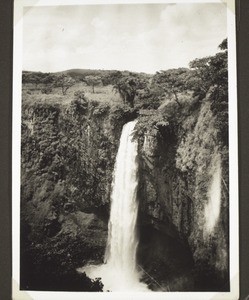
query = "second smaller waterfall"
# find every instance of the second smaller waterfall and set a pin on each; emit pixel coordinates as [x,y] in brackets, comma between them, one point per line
[212,209]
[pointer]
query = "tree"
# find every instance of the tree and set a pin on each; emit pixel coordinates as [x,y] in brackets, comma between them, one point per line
[31,77]
[219,92]
[79,104]
[48,81]
[210,71]
[172,81]
[48,78]
[111,78]
[64,82]
[150,97]
[128,86]
[209,80]
[223,45]
[25,77]
[92,81]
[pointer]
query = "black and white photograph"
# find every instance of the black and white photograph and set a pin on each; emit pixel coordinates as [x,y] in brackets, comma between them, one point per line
[125,150]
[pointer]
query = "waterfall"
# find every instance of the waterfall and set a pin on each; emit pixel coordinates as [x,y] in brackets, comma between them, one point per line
[119,273]
[122,238]
[212,209]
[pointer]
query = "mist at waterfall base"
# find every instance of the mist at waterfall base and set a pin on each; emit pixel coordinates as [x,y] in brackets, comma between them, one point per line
[119,272]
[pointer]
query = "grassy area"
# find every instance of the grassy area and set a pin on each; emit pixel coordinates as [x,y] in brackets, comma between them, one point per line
[32,94]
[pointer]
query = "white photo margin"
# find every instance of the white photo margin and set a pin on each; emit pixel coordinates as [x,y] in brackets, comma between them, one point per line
[17,294]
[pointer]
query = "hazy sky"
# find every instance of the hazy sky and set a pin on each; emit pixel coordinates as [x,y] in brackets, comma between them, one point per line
[143,37]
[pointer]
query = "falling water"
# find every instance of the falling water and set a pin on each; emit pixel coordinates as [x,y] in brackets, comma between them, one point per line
[212,209]
[119,273]
[122,239]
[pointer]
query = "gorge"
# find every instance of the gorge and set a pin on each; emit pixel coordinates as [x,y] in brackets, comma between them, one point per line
[71,231]
[175,232]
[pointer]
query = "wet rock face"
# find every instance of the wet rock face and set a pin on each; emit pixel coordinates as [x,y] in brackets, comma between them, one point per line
[175,180]
[167,261]
[157,184]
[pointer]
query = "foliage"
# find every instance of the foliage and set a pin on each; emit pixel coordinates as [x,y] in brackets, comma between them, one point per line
[209,80]
[209,71]
[120,114]
[47,78]
[128,86]
[64,82]
[102,109]
[223,45]
[172,81]
[37,78]
[33,78]
[93,81]
[47,90]
[80,104]
[154,121]
[80,95]
[150,97]
[111,78]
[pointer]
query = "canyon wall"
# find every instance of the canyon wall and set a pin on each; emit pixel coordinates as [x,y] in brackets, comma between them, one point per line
[68,155]
[184,191]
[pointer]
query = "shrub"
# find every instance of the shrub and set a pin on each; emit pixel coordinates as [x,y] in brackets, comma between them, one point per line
[47,90]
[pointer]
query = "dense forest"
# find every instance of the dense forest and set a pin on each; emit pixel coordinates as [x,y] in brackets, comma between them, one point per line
[71,126]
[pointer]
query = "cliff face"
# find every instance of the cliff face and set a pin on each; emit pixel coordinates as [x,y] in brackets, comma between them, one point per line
[184,191]
[68,155]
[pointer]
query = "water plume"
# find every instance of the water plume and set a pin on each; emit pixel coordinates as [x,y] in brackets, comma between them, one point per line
[119,272]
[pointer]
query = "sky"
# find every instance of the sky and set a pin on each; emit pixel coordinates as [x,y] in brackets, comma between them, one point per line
[135,37]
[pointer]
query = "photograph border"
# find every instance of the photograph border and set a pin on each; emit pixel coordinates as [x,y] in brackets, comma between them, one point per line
[16,154]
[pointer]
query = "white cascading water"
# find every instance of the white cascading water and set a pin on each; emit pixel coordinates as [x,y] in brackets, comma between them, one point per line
[119,273]
[212,209]
[122,238]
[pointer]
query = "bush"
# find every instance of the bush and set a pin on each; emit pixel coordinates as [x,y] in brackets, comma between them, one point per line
[47,90]
[102,109]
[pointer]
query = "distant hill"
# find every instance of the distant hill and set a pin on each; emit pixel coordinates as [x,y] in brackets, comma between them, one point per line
[81,73]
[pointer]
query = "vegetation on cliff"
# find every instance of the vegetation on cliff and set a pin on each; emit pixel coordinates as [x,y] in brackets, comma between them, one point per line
[71,125]
[180,144]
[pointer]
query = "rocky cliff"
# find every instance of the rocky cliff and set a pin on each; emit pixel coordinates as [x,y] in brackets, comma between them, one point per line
[184,188]
[68,155]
